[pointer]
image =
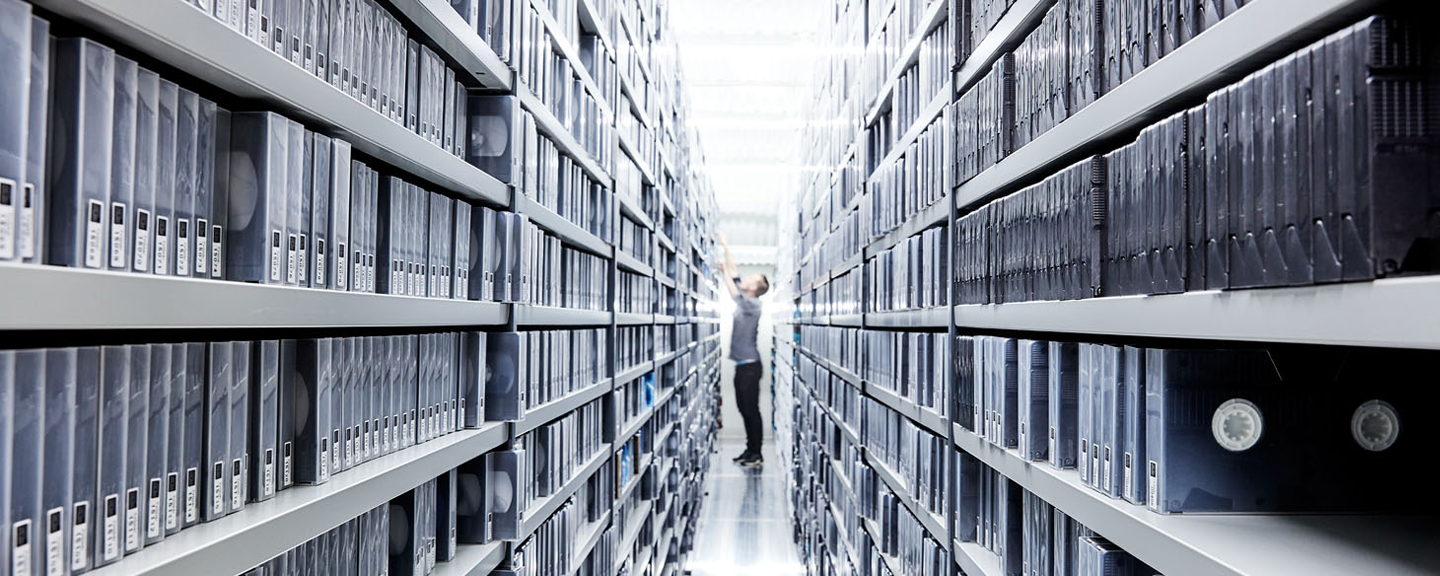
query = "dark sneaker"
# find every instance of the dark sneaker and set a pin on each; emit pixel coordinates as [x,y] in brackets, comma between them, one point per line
[753,461]
[743,456]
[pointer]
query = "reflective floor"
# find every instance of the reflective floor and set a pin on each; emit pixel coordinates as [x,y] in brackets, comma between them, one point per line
[745,523]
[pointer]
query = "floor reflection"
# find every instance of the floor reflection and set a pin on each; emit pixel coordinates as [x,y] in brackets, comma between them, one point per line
[745,524]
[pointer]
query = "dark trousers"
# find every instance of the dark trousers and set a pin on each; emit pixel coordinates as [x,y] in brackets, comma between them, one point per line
[747,399]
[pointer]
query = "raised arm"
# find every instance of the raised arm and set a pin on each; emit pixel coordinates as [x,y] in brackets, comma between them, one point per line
[729,268]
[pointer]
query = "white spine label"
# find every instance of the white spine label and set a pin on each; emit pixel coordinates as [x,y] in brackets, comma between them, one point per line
[162,245]
[217,504]
[142,240]
[290,252]
[132,520]
[320,262]
[172,504]
[27,222]
[182,248]
[152,513]
[202,247]
[237,487]
[20,549]
[217,252]
[1152,496]
[341,272]
[111,529]
[286,478]
[7,219]
[55,545]
[80,538]
[275,249]
[303,261]
[117,235]
[269,475]
[94,234]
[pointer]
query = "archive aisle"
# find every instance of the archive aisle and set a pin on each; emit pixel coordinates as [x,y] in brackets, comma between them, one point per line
[1114,288]
[351,287]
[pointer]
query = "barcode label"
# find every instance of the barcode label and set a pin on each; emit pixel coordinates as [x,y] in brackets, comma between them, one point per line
[80,538]
[268,477]
[7,219]
[172,504]
[55,543]
[20,549]
[290,252]
[110,534]
[117,234]
[182,247]
[275,249]
[132,519]
[237,486]
[320,262]
[217,251]
[303,261]
[342,273]
[142,240]
[162,245]
[27,221]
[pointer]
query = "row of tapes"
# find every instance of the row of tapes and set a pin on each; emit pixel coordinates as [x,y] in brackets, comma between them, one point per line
[912,275]
[408,535]
[914,455]
[1027,534]
[564,187]
[633,398]
[910,364]
[832,392]
[1080,50]
[548,549]
[363,50]
[844,241]
[1297,196]
[885,39]
[554,452]
[1201,430]
[666,339]
[903,189]
[634,345]
[635,240]
[898,535]
[635,294]
[839,346]
[841,295]
[599,61]
[554,81]
[917,86]
[530,369]
[139,441]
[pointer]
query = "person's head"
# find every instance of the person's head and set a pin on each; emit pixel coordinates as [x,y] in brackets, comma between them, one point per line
[755,285]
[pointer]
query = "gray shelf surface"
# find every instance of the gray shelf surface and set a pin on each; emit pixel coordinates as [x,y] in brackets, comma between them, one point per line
[974,560]
[932,111]
[876,534]
[198,44]
[588,541]
[851,320]
[235,544]
[546,122]
[934,215]
[633,319]
[1217,56]
[632,151]
[59,298]
[631,210]
[540,415]
[532,315]
[935,526]
[1227,545]
[568,232]
[933,15]
[472,560]
[924,318]
[1398,312]
[925,417]
[627,538]
[458,40]
[542,508]
[633,372]
[1019,20]
[570,52]
[633,264]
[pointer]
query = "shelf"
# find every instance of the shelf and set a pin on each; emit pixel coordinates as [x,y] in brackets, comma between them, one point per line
[854,261]
[934,14]
[626,491]
[667,358]
[851,320]
[234,544]
[543,414]
[664,280]
[532,315]
[588,542]
[1214,58]
[935,215]
[633,264]
[458,40]
[472,560]
[1396,313]
[933,110]
[633,319]
[633,372]
[1240,544]
[926,318]
[199,45]
[569,52]
[1019,20]
[591,23]
[547,123]
[974,560]
[633,426]
[627,538]
[666,319]
[542,508]
[891,562]
[567,231]
[59,298]
[935,526]
[836,369]
[631,210]
[630,97]
[632,150]
[925,417]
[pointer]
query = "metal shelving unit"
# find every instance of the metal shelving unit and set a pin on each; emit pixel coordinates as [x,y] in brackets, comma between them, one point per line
[456,39]
[567,231]
[197,44]
[633,264]
[551,126]
[545,413]
[1226,544]
[542,508]
[932,216]
[472,560]
[530,315]
[58,298]
[236,543]
[935,526]
[924,318]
